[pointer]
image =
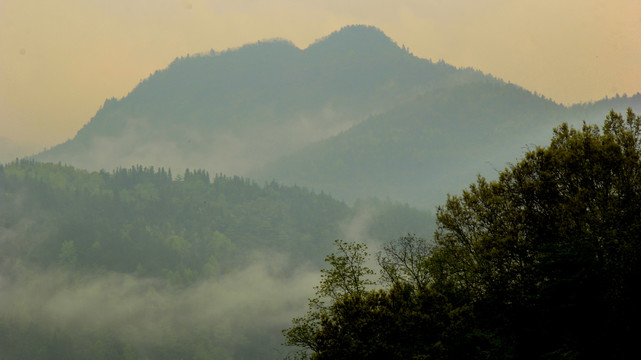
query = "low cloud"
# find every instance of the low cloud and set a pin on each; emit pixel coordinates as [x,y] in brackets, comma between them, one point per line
[262,297]
[232,152]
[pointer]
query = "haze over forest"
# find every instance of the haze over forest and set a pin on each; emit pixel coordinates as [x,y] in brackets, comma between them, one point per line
[190,218]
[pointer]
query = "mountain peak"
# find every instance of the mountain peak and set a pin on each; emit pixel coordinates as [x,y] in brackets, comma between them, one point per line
[358,33]
[355,37]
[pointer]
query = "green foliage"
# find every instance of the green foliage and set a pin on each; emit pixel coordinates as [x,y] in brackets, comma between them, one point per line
[550,252]
[543,263]
[347,273]
[404,261]
[346,276]
[164,238]
[68,256]
[402,322]
[139,219]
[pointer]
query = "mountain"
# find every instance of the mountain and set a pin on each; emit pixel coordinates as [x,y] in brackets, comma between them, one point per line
[353,114]
[419,151]
[233,111]
[436,144]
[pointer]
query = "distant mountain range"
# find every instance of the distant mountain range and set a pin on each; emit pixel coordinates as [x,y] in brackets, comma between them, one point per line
[353,114]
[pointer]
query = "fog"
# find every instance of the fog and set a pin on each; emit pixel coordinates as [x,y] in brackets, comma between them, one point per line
[244,308]
[10,150]
[260,298]
[224,151]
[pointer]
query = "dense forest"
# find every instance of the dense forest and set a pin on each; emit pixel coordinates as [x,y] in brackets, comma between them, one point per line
[542,263]
[140,238]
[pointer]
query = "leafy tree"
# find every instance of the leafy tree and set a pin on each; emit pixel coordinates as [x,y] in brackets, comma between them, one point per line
[405,260]
[549,254]
[346,276]
[543,263]
[68,256]
[405,321]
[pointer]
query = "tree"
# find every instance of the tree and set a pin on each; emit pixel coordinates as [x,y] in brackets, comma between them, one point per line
[346,276]
[542,263]
[405,260]
[549,253]
[347,273]
[405,321]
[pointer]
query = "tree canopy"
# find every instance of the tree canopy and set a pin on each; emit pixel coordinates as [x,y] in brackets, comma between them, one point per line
[542,263]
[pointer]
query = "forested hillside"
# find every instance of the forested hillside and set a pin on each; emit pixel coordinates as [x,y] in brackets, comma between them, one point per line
[426,148]
[423,150]
[135,248]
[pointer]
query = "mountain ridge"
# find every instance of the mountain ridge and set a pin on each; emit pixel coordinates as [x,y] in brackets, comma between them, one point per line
[199,104]
[244,110]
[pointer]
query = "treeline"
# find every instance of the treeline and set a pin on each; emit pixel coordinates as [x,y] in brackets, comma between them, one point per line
[120,265]
[140,220]
[543,263]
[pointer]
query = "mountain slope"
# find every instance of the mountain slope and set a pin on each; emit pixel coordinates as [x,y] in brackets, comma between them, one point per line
[233,111]
[352,114]
[434,145]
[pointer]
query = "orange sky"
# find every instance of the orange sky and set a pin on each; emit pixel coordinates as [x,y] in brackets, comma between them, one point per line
[60,59]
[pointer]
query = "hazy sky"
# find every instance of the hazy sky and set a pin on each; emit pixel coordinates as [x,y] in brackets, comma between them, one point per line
[60,59]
